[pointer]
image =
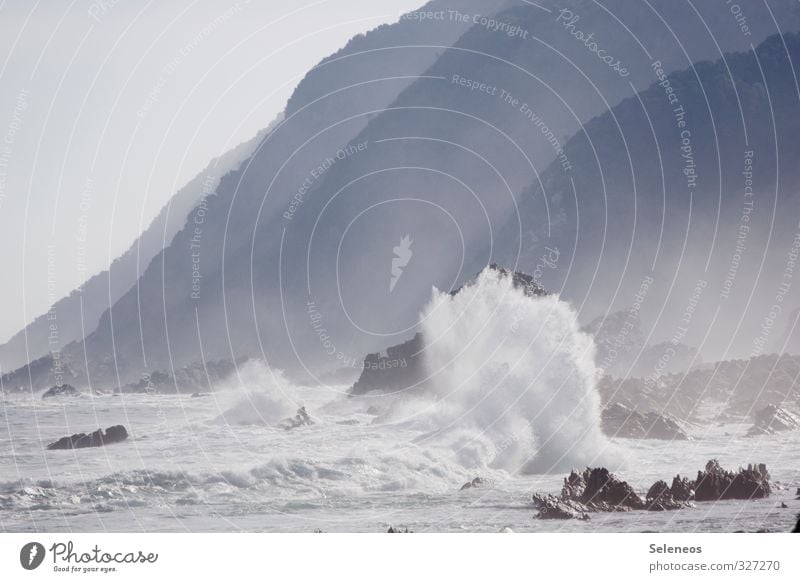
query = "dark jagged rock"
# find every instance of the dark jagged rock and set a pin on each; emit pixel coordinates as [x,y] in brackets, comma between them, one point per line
[61,390]
[797,525]
[772,419]
[682,489]
[393,529]
[478,483]
[716,483]
[99,438]
[399,369]
[300,419]
[551,507]
[620,421]
[600,490]
[402,367]
[661,498]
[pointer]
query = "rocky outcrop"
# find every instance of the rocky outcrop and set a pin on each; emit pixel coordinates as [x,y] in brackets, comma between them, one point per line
[620,421]
[772,419]
[300,419]
[402,367]
[61,390]
[99,438]
[552,507]
[197,378]
[715,483]
[599,490]
[478,483]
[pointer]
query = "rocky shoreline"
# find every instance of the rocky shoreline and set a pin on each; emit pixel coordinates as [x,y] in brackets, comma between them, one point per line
[597,490]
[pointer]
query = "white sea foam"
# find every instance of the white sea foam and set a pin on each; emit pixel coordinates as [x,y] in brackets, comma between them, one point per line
[511,380]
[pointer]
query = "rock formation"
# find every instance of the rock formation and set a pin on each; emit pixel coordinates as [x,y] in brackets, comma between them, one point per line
[716,483]
[772,419]
[61,390]
[478,483]
[99,438]
[620,421]
[300,419]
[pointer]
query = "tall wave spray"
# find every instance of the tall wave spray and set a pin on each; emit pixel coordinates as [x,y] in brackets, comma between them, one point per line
[513,379]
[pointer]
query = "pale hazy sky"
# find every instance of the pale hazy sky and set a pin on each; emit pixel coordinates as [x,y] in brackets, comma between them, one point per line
[107,107]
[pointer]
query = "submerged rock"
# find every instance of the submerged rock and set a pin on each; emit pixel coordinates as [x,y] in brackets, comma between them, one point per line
[61,390]
[772,419]
[478,483]
[620,421]
[716,483]
[99,438]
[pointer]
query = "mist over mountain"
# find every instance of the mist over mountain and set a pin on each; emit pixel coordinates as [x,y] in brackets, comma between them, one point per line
[78,314]
[682,201]
[443,130]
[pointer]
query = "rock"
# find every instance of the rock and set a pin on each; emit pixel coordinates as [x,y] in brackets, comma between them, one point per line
[61,390]
[772,419]
[660,498]
[600,490]
[716,483]
[200,394]
[797,525]
[478,483]
[99,438]
[784,506]
[618,420]
[682,489]
[551,507]
[300,419]
[393,529]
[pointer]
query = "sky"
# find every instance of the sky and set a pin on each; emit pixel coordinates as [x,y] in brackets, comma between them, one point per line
[107,107]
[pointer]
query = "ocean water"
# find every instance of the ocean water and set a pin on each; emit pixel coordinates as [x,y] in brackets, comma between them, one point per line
[511,398]
[182,471]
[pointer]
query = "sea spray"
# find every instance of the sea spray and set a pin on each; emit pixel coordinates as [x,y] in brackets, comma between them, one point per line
[265,397]
[511,380]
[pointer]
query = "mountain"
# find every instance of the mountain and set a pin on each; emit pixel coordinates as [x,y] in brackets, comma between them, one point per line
[426,131]
[77,314]
[683,200]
